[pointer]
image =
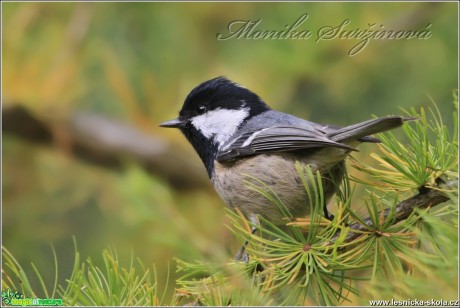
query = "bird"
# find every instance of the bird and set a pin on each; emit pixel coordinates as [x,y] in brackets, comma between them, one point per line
[239,138]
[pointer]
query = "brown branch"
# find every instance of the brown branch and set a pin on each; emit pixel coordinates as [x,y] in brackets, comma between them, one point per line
[18,121]
[427,197]
[106,143]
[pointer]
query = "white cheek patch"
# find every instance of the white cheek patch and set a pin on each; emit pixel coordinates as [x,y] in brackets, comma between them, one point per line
[220,124]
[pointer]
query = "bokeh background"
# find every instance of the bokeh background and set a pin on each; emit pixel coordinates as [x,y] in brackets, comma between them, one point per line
[85,86]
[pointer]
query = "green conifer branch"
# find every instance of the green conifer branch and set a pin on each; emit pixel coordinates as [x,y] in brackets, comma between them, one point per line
[427,197]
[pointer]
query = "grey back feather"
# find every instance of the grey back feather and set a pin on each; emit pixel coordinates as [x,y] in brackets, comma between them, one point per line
[291,133]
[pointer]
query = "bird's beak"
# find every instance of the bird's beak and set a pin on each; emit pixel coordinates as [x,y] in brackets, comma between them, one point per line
[176,123]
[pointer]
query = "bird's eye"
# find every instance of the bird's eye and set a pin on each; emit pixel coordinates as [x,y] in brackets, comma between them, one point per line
[200,110]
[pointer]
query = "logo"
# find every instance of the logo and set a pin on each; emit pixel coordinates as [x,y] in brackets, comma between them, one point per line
[360,36]
[14,298]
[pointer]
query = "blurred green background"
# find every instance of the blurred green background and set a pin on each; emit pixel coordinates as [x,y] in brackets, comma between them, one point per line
[136,62]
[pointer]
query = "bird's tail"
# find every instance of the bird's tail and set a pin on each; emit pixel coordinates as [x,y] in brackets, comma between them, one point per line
[362,131]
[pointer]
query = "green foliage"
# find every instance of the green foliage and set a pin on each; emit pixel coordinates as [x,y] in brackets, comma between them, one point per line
[233,283]
[89,284]
[430,151]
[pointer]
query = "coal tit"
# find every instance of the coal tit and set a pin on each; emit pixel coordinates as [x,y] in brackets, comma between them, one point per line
[240,138]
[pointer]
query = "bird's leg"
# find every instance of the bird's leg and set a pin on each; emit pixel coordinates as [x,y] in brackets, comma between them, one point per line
[327,215]
[240,255]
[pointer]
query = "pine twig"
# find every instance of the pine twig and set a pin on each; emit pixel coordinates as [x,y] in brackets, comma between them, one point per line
[427,197]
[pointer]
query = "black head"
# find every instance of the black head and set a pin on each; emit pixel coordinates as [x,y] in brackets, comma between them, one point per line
[212,113]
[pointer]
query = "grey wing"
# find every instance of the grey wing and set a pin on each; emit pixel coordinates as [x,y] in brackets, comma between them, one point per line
[276,139]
